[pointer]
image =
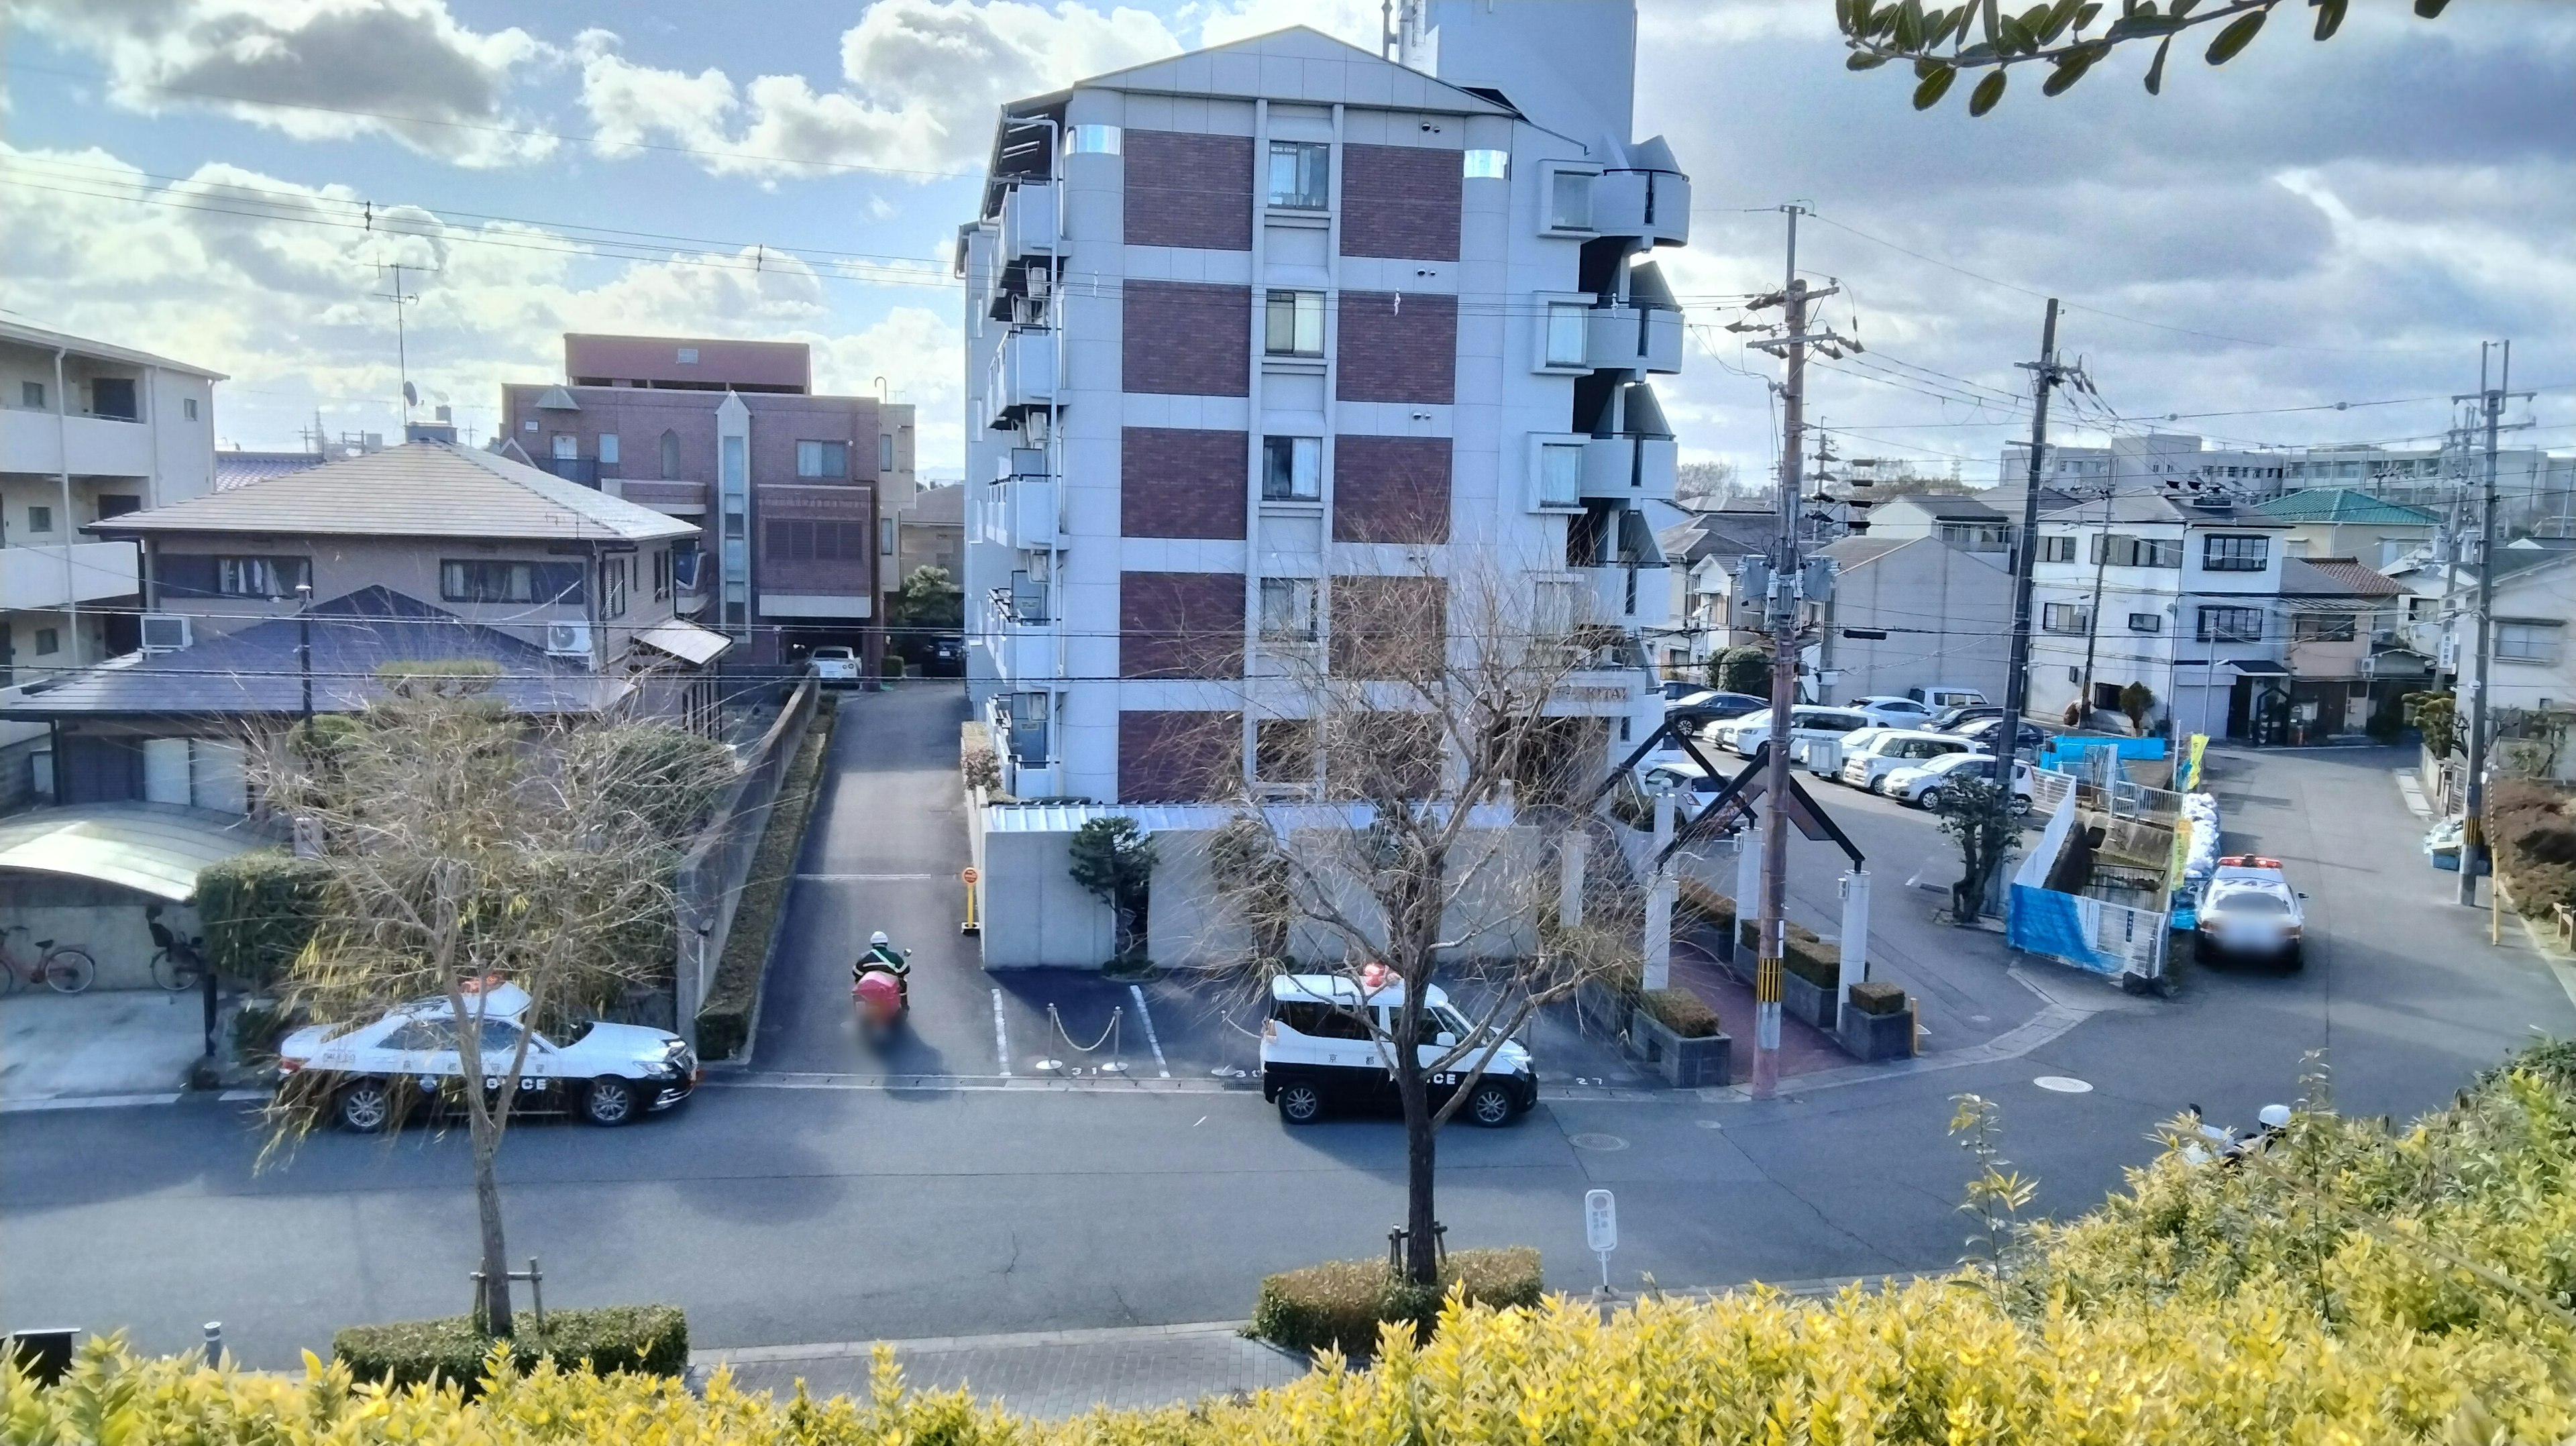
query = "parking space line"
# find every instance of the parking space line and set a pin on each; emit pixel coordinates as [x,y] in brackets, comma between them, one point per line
[1151,1038]
[1001,1036]
[867,878]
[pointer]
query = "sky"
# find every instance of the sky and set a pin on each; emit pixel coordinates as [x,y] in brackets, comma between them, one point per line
[2305,246]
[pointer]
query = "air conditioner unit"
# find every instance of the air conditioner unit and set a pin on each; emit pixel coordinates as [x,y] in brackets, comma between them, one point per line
[568,640]
[164,632]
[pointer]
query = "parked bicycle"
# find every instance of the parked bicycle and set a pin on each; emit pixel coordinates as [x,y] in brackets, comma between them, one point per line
[178,965]
[67,970]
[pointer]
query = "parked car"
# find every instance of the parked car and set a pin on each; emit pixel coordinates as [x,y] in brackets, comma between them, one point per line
[1675,689]
[947,656]
[1951,719]
[833,665]
[2248,910]
[1988,733]
[1942,696]
[1891,712]
[367,1076]
[1712,706]
[1921,783]
[1749,732]
[1868,765]
[1324,1047]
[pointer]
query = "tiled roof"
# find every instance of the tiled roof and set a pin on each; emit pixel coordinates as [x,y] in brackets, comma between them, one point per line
[2334,577]
[256,672]
[239,469]
[2173,504]
[419,489]
[2343,504]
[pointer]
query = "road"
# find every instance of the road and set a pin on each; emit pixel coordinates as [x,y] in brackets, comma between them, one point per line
[826,1195]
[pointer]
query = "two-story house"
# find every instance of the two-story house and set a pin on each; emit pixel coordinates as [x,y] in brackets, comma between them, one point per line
[88,430]
[2346,522]
[283,596]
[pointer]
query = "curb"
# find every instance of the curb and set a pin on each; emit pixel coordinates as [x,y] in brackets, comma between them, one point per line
[923,1345]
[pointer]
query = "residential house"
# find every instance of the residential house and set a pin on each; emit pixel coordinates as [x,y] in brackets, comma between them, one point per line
[1913,612]
[1704,552]
[87,430]
[2344,665]
[2347,522]
[802,489]
[931,532]
[1983,524]
[1263,338]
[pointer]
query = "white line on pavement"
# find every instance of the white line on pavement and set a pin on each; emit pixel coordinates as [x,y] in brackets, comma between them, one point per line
[85,1102]
[1001,1036]
[1147,1015]
[867,878]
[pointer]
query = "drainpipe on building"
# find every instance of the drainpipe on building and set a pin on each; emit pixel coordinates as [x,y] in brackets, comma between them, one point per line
[63,468]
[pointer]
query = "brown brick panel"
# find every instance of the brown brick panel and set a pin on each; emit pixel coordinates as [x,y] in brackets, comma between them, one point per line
[1180,625]
[1178,756]
[1181,482]
[1394,348]
[1389,627]
[1401,201]
[1190,338]
[1189,190]
[1390,489]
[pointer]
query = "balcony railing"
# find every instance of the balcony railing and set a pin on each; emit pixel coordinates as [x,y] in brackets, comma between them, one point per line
[58,576]
[1623,596]
[1630,468]
[1652,204]
[85,446]
[1028,222]
[1634,339]
[1020,512]
[584,470]
[1022,377]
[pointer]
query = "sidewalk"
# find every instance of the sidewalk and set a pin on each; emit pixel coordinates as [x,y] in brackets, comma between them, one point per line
[1047,1374]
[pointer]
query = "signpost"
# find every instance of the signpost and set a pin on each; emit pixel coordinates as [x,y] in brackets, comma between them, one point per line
[1601,1229]
[973,923]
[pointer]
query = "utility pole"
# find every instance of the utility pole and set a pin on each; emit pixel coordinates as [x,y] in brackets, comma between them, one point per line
[1781,620]
[2093,611]
[2046,374]
[2473,828]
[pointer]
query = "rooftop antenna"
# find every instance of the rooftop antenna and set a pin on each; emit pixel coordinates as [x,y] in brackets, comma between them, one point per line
[402,347]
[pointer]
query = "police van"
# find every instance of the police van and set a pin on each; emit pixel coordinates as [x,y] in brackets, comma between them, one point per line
[1326,1047]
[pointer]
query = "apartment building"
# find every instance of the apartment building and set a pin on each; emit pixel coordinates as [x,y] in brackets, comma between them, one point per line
[87,430]
[797,492]
[2535,490]
[1263,335]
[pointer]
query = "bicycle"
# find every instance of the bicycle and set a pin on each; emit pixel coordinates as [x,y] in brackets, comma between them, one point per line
[67,970]
[178,965]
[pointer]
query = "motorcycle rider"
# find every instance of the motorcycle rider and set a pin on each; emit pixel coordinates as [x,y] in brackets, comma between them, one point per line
[883,956]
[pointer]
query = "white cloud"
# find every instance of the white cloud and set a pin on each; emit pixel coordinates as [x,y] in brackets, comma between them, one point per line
[306,67]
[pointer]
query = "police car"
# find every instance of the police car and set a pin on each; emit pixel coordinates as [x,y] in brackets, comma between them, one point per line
[369,1075]
[2248,910]
[1326,1046]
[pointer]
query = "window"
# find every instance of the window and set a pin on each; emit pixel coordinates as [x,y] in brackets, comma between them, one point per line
[608,449]
[822,459]
[885,451]
[662,574]
[2114,550]
[2146,623]
[2322,627]
[1091,140]
[1569,201]
[31,394]
[567,447]
[1560,474]
[1293,323]
[2057,549]
[733,521]
[1283,750]
[2065,618]
[529,425]
[188,408]
[479,581]
[1318,1020]
[795,540]
[2231,625]
[1977,536]
[1026,726]
[117,504]
[1288,609]
[1300,173]
[670,456]
[1489,165]
[113,397]
[612,587]
[48,640]
[885,536]
[1292,469]
[40,519]
[2527,640]
[261,577]
[2234,552]
[1565,333]
[688,356]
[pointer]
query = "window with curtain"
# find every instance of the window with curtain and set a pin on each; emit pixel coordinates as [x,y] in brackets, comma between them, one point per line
[1293,323]
[1292,469]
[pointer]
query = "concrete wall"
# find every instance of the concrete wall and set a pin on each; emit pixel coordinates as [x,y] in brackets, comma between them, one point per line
[105,921]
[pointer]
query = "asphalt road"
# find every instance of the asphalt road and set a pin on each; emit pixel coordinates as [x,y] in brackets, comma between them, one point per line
[826,1196]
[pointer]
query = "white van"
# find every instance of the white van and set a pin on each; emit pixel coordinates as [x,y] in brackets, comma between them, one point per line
[1806,721]
[1868,765]
[1325,1047]
[1940,696]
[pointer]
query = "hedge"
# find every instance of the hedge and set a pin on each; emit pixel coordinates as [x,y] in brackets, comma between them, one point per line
[1803,954]
[2350,1283]
[733,997]
[1680,1011]
[1341,1305]
[2534,842]
[653,1339]
[1877,996]
[257,910]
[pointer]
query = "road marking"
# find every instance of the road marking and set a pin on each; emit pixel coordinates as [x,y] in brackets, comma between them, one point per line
[1001,1036]
[1147,1015]
[1596,1142]
[2063,1084]
[234,1097]
[85,1102]
[867,878]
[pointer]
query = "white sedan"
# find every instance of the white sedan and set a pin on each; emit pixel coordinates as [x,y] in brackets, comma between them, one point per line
[1888,711]
[1921,784]
[370,1075]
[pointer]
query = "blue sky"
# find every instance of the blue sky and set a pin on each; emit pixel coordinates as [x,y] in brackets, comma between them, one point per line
[2314,224]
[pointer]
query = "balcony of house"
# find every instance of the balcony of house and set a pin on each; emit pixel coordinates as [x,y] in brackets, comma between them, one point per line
[584,470]
[85,446]
[1634,339]
[1627,595]
[1630,469]
[1028,223]
[1021,635]
[52,577]
[1020,504]
[1647,202]
[1023,377]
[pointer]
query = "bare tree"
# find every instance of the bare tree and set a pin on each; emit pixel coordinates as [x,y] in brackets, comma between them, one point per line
[1389,835]
[460,846]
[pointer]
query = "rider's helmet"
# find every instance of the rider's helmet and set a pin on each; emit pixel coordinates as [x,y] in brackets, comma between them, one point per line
[2275,1117]
[880,940]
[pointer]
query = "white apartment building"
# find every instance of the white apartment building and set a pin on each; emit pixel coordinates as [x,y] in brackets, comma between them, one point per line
[2535,490]
[87,430]
[1266,337]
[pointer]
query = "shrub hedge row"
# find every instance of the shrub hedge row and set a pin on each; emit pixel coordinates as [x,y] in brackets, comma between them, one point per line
[1805,954]
[733,997]
[1340,1305]
[1680,1011]
[653,1339]
[257,910]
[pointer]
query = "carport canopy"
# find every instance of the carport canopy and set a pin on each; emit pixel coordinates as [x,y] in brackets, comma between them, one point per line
[157,849]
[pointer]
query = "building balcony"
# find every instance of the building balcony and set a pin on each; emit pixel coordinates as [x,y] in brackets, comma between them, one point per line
[1023,377]
[1032,780]
[47,445]
[1020,512]
[1028,223]
[1630,468]
[1634,339]
[1023,652]
[584,470]
[53,577]
[1627,597]
[1652,204]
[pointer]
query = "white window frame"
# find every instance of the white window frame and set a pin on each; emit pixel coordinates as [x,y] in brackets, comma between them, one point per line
[1305,310]
[1552,306]
[2543,640]
[1539,445]
[1549,173]
[1288,609]
[2155,622]
[1296,153]
[1305,468]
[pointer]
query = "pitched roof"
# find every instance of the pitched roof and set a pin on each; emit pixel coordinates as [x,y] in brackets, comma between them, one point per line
[2343,504]
[1855,552]
[419,489]
[238,468]
[2204,508]
[2334,577]
[1298,63]
[936,507]
[256,671]
[25,335]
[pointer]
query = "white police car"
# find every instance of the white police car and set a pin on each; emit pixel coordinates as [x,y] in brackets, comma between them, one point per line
[368,1076]
[1326,1046]
[2248,910]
